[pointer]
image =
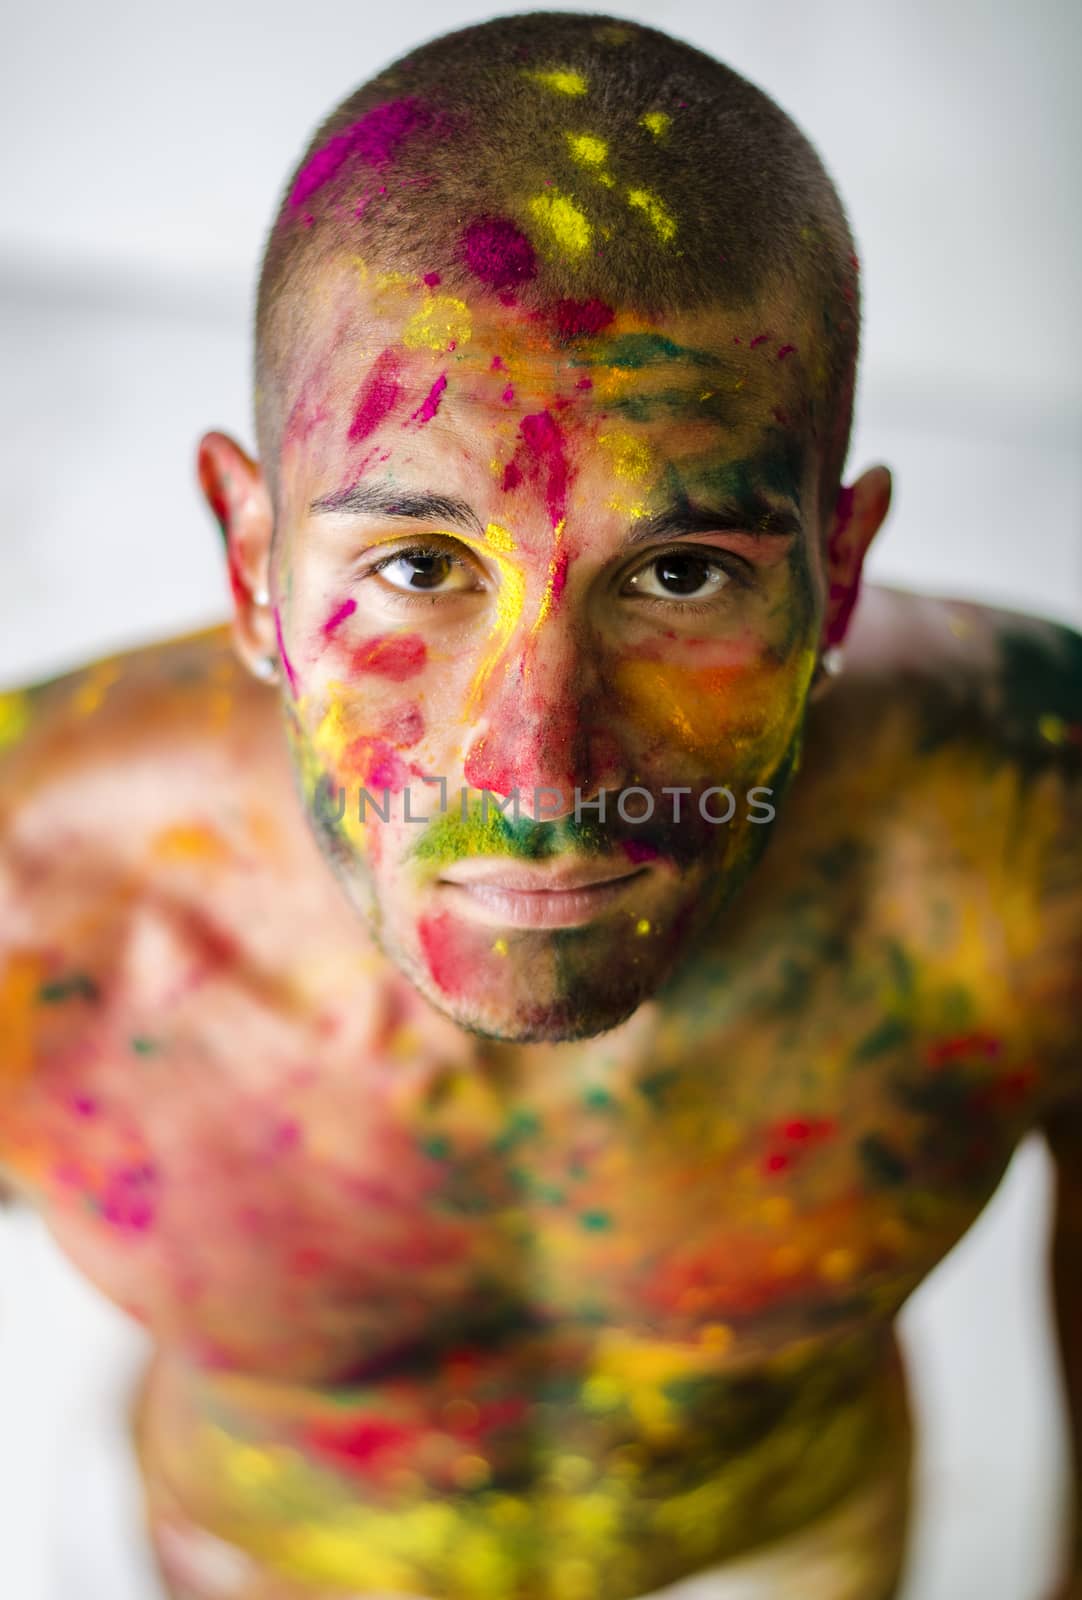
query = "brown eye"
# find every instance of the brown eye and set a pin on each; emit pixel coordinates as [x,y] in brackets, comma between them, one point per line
[680,577]
[424,572]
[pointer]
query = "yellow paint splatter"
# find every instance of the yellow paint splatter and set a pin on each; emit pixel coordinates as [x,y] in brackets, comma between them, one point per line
[440,323]
[561,82]
[499,948]
[565,223]
[631,458]
[499,537]
[588,149]
[14,717]
[658,123]
[194,841]
[1051,727]
[554,565]
[642,926]
[717,1336]
[838,1265]
[655,212]
[18,992]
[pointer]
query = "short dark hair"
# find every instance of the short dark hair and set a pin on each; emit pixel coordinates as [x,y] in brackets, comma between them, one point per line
[571,160]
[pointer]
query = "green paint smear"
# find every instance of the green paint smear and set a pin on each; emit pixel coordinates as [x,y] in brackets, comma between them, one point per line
[595,1221]
[637,350]
[488,832]
[882,1163]
[143,1046]
[79,986]
[890,1033]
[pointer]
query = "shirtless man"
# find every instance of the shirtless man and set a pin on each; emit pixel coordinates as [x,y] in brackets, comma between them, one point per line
[510,1018]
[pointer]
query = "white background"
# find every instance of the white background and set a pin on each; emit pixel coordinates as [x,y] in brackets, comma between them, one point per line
[142,152]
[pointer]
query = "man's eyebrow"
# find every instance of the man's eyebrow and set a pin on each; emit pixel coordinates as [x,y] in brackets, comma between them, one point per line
[384,500]
[752,513]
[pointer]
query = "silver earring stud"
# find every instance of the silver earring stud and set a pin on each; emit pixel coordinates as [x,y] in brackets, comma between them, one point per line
[265,668]
[261,597]
[832,660]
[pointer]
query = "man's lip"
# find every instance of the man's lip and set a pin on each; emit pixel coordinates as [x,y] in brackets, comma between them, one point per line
[523,879]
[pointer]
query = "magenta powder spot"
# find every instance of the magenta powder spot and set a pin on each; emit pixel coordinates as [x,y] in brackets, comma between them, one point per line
[497,252]
[760,338]
[432,279]
[638,850]
[544,442]
[508,393]
[512,477]
[377,764]
[580,319]
[373,139]
[786,350]
[283,655]
[559,576]
[128,1199]
[376,397]
[497,364]
[338,616]
[431,403]
[403,727]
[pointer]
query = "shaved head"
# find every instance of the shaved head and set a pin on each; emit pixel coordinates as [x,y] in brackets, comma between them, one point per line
[569,166]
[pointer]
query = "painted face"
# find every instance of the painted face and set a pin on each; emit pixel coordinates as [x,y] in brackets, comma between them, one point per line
[547,598]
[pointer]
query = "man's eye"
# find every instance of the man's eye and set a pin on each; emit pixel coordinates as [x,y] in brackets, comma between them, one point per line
[680,577]
[424,572]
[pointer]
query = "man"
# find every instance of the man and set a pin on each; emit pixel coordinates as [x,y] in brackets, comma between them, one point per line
[512,1019]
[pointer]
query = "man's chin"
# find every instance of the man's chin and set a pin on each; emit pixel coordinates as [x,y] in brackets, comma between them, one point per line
[557,1022]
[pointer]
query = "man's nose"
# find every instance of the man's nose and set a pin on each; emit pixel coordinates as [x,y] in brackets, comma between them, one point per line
[540,723]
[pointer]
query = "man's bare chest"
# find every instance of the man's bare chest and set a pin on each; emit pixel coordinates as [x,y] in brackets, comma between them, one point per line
[784,1142]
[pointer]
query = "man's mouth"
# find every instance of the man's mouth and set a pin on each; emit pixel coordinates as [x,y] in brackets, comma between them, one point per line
[516,894]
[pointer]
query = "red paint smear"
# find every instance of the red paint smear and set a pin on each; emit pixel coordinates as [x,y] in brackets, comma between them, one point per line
[579,319]
[373,139]
[512,477]
[377,764]
[283,654]
[376,396]
[786,350]
[497,252]
[390,655]
[585,383]
[447,965]
[359,1444]
[638,850]
[432,279]
[842,596]
[559,576]
[962,1048]
[338,616]
[484,771]
[760,338]
[404,727]
[431,403]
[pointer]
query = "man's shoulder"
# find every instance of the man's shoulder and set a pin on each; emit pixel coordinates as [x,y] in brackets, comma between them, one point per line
[87,716]
[970,672]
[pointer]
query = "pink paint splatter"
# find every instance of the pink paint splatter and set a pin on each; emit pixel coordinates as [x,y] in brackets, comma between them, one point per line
[432,279]
[842,596]
[128,1200]
[508,394]
[390,655]
[377,395]
[338,616]
[373,139]
[760,338]
[497,364]
[786,350]
[580,319]
[544,443]
[403,727]
[377,764]
[497,252]
[283,654]
[431,403]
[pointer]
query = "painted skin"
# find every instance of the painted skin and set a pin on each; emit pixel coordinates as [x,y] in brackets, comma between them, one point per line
[455,1293]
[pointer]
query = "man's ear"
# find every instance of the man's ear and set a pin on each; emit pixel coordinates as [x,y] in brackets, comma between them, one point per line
[859,513]
[237,494]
